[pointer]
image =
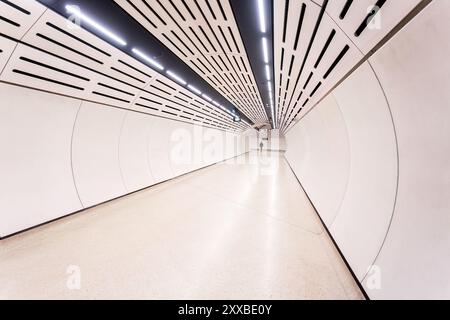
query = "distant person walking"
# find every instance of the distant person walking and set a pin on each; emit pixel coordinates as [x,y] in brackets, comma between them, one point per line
[261,145]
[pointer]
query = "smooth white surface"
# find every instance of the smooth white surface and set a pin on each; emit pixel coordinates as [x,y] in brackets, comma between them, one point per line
[187,239]
[133,151]
[368,204]
[414,70]
[35,165]
[319,152]
[95,153]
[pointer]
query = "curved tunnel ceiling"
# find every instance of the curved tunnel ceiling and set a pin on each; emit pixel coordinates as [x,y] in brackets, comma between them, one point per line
[144,46]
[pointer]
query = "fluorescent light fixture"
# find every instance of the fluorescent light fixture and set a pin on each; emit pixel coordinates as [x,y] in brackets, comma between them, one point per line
[217,104]
[267,72]
[75,10]
[206,97]
[176,77]
[269,86]
[194,89]
[147,58]
[265,50]
[262,15]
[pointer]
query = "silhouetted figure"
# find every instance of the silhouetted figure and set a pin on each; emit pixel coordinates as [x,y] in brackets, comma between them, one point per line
[261,145]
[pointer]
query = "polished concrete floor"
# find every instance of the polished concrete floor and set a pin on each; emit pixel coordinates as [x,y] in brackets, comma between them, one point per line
[242,229]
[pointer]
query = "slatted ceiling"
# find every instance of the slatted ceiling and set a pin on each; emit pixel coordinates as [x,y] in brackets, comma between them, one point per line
[391,14]
[17,16]
[205,35]
[310,60]
[119,80]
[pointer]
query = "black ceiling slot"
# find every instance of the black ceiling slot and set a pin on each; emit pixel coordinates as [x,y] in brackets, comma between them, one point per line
[207,38]
[225,38]
[15,24]
[126,74]
[68,48]
[199,40]
[150,100]
[135,69]
[291,65]
[53,68]
[307,80]
[235,42]
[188,9]
[115,89]
[173,108]
[142,14]
[338,59]
[315,89]
[299,27]
[286,17]
[166,85]
[221,10]
[181,99]
[183,94]
[47,79]
[76,38]
[201,62]
[167,112]
[344,11]
[154,12]
[305,103]
[182,42]
[15,6]
[210,9]
[168,39]
[368,19]
[145,106]
[177,10]
[325,48]
[161,90]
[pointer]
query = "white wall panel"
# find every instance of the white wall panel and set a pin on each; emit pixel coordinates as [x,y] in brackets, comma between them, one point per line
[35,166]
[133,156]
[318,151]
[96,153]
[159,141]
[181,147]
[414,70]
[368,204]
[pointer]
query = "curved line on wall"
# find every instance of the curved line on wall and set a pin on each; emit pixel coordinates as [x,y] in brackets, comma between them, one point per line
[398,171]
[71,154]
[350,160]
[148,147]
[118,152]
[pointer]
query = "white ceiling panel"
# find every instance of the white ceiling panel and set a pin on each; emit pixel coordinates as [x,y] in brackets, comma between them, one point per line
[205,35]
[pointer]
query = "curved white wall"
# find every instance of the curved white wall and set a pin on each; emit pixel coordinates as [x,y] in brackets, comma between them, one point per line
[60,155]
[35,163]
[399,97]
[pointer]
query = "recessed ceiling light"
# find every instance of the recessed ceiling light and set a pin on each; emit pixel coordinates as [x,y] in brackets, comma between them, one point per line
[148,59]
[267,72]
[265,50]
[262,16]
[194,89]
[76,11]
[176,77]
[206,97]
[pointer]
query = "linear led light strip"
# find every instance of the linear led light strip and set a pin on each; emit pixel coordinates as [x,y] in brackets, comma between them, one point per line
[265,49]
[76,11]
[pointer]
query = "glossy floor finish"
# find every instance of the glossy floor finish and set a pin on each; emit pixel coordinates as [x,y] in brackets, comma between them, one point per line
[242,229]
